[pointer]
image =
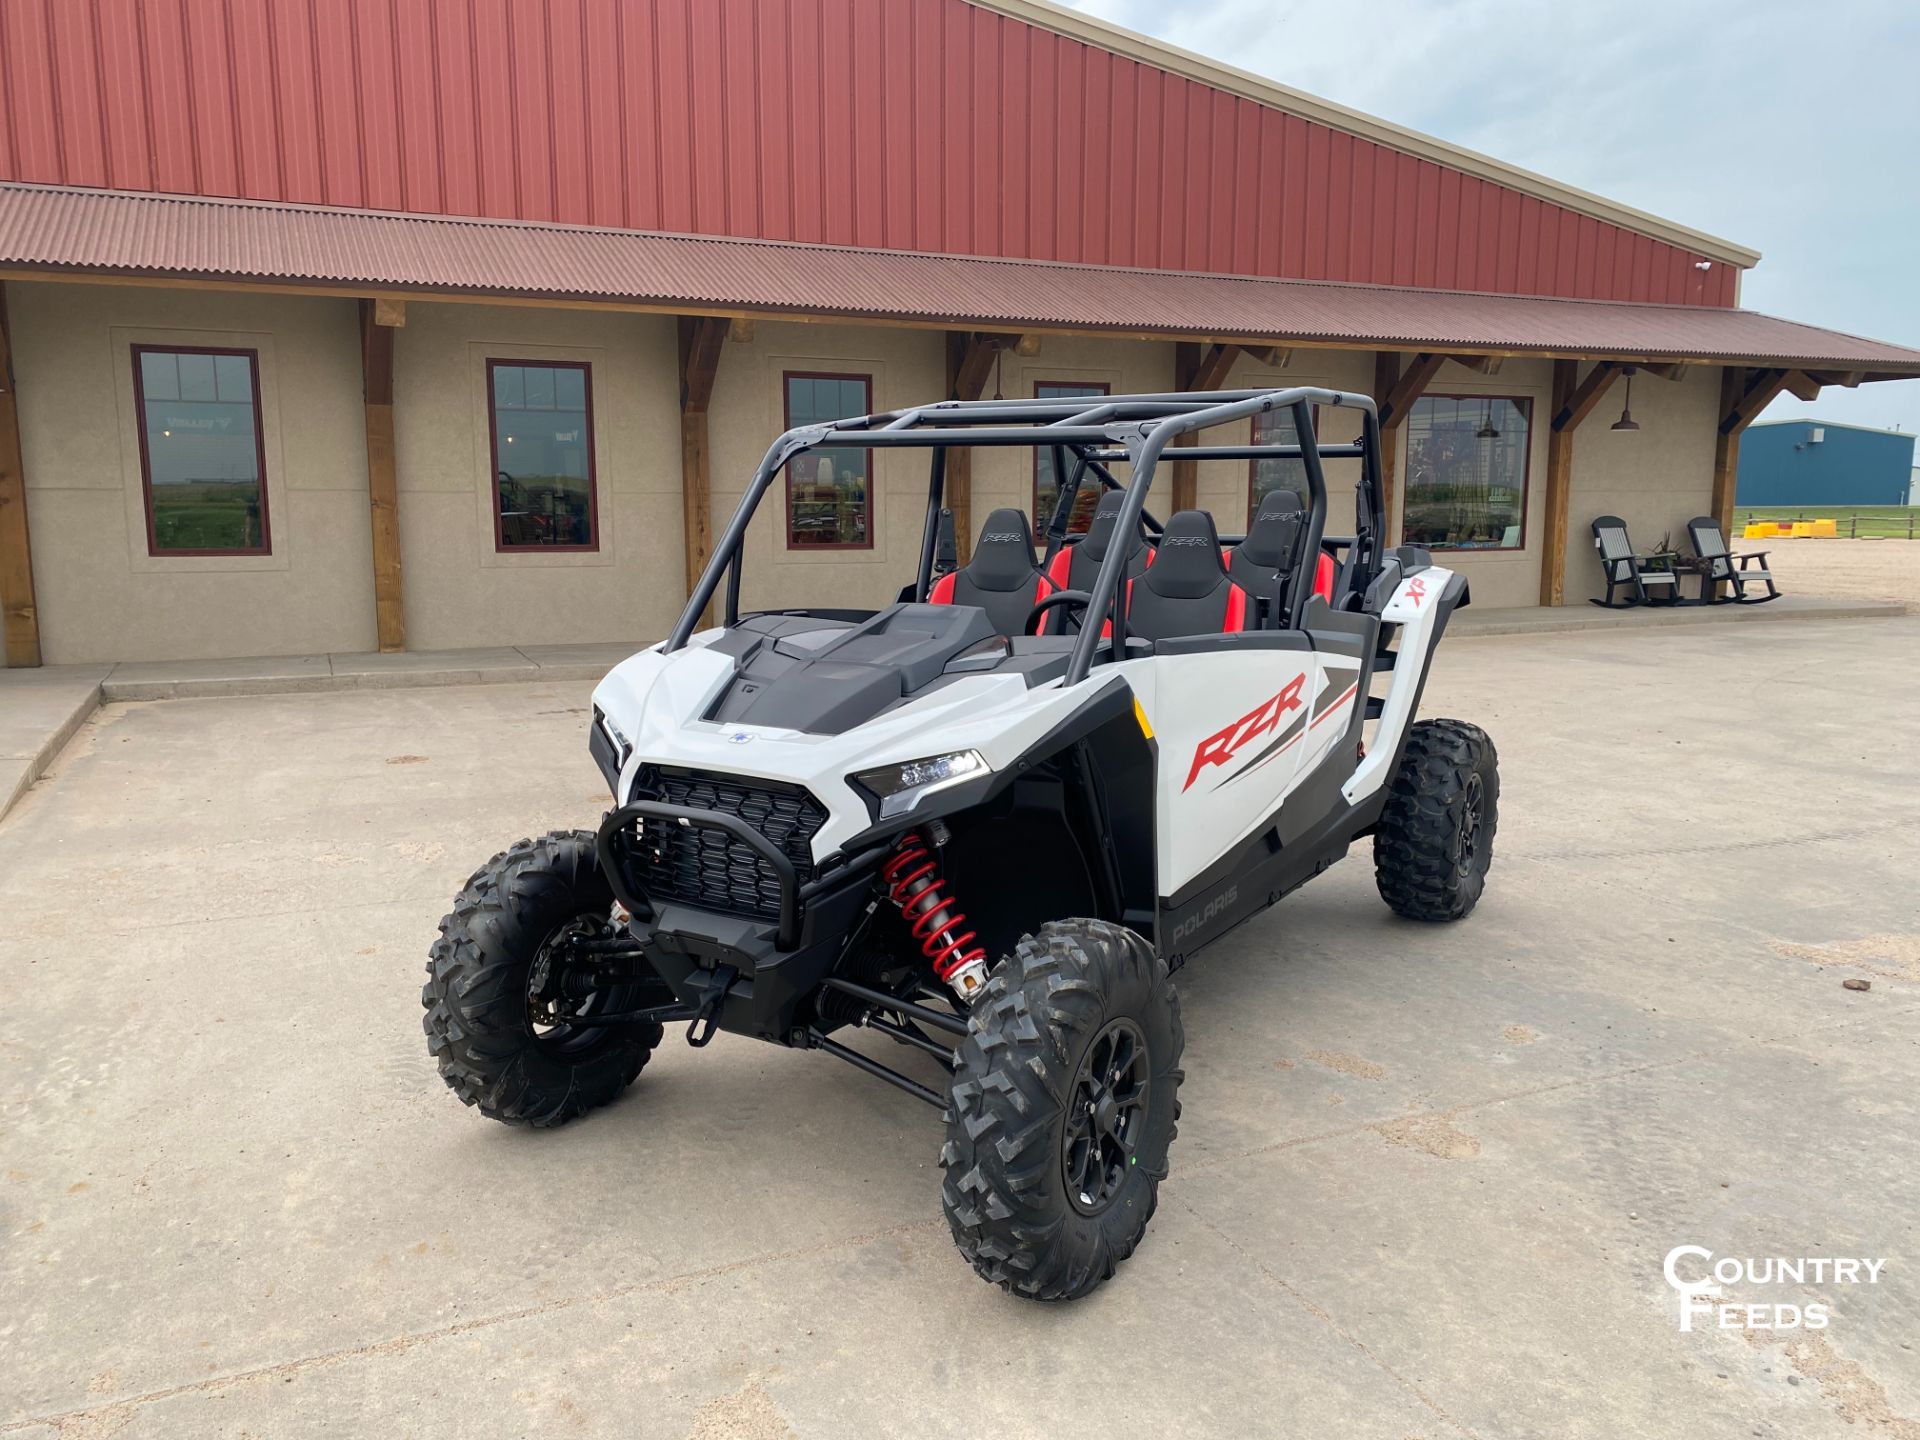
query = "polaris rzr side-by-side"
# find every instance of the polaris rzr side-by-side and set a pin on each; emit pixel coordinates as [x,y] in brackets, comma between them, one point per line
[990,820]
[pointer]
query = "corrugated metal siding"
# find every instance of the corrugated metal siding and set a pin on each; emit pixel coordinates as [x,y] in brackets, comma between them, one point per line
[247,240]
[924,125]
[1781,465]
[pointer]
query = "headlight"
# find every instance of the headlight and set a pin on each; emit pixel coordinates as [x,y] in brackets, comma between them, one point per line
[898,788]
[609,749]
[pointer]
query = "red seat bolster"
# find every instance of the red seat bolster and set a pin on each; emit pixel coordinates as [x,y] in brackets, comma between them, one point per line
[1060,568]
[1236,620]
[1323,577]
[942,592]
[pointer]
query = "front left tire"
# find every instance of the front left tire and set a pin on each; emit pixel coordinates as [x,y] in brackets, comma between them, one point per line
[1062,1106]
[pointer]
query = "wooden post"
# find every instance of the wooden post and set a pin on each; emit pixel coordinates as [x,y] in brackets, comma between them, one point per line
[1726,447]
[1553,559]
[1196,366]
[19,617]
[383,489]
[701,338]
[970,360]
[1386,374]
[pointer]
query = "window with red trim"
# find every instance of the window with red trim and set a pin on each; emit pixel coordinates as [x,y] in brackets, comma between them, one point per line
[541,416]
[829,491]
[1466,485]
[203,465]
[1046,484]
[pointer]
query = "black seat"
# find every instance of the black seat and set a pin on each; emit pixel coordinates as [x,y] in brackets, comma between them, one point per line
[1186,591]
[1001,578]
[1075,567]
[1261,563]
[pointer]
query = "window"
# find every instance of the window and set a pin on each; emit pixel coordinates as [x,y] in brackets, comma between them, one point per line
[1467,472]
[541,415]
[202,464]
[829,492]
[1046,484]
[1264,476]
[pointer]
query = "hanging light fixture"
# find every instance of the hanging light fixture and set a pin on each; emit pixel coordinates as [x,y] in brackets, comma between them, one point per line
[1626,420]
[1487,430]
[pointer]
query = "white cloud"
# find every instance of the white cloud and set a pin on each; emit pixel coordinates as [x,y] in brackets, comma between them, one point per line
[1786,127]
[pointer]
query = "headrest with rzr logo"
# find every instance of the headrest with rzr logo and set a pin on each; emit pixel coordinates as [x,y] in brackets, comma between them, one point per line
[1100,530]
[1189,563]
[1003,560]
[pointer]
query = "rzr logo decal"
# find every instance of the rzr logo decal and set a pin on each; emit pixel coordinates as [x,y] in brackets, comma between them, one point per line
[1416,591]
[1223,745]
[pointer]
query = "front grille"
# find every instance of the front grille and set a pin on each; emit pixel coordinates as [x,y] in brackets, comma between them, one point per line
[707,867]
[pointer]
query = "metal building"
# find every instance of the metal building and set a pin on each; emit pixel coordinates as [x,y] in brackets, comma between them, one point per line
[443,323]
[1816,462]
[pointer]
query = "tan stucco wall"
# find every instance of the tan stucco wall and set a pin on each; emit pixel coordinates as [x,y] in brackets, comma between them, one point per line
[1656,478]
[459,592]
[101,596]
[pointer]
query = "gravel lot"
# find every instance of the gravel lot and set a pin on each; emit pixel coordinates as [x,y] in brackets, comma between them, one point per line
[1424,1182]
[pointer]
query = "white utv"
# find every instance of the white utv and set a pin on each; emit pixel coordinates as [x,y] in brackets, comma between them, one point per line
[990,820]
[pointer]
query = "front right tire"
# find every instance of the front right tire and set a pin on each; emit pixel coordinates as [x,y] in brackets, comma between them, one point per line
[1062,1107]
[495,970]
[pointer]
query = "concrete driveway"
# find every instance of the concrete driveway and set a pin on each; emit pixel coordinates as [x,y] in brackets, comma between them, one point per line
[1424,1182]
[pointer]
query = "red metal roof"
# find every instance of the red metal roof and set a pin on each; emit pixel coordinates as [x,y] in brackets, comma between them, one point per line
[110,232]
[926,125]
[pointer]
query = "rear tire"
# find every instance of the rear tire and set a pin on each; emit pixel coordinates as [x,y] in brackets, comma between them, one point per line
[480,1017]
[1062,1107]
[1434,844]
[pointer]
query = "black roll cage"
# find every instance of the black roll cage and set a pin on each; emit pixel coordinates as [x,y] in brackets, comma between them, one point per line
[1132,428]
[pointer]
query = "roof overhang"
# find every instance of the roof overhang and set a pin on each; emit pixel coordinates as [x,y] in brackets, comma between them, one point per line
[50,232]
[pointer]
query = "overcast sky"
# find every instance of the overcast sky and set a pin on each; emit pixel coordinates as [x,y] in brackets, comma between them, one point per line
[1788,127]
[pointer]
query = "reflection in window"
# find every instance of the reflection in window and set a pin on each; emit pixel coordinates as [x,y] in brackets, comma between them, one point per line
[1046,484]
[1467,472]
[543,486]
[829,492]
[201,461]
[1275,427]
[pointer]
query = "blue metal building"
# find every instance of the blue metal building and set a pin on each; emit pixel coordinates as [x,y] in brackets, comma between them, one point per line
[1815,462]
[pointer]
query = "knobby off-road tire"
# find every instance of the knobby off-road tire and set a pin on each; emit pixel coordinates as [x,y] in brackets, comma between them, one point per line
[479,1027]
[1435,840]
[1067,996]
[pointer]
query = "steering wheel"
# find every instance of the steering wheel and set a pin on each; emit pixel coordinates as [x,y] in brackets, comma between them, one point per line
[1035,616]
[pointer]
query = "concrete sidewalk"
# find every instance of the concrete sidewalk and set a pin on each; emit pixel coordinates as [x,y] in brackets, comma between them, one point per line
[41,709]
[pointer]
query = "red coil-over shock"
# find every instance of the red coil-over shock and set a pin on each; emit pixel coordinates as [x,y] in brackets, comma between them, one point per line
[914,884]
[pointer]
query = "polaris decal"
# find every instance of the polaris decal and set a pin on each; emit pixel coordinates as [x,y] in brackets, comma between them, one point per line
[1221,746]
[1213,909]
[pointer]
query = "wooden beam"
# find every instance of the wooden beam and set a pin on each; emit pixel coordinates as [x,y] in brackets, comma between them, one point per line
[1386,374]
[1553,553]
[970,359]
[1666,372]
[1801,385]
[1849,378]
[1215,363]
[1274,357]
[1762,388]
[701,338]
[1726,448]
[1411,385]
[740,329]
[19,615]
[383,483]
[1581,400]
[389,311]
[1028,345]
